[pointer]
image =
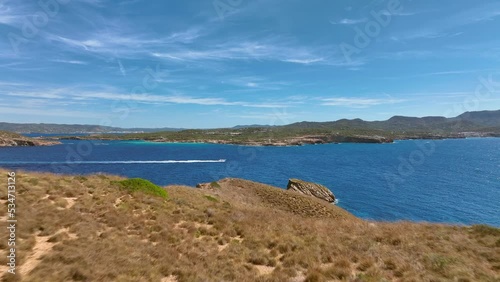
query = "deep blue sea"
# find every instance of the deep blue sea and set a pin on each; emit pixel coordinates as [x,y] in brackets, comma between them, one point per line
[450,181]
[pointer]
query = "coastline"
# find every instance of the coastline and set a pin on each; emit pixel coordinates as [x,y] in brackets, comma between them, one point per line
[252,229]
[9,139]
[298,141]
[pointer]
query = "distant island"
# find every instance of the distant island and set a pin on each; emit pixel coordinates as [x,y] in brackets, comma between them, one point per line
[9,139]
[469,124]
[51,128]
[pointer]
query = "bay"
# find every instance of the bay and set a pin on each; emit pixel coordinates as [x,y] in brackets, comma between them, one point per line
[450,181]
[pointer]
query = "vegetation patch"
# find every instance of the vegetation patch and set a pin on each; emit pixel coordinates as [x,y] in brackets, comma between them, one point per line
[211,198]
[254,233]
[141,185]
[214,184]
[485,230]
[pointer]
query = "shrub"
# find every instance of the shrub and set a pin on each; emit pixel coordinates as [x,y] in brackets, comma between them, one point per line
[211,198]
[141,185]
[214,184]
[80,178]
[438,263]
[484,230]
[61,202]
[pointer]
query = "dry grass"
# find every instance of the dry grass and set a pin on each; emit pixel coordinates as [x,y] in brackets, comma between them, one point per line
[74,228]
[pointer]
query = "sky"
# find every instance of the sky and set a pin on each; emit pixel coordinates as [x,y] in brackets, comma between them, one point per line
[221,63]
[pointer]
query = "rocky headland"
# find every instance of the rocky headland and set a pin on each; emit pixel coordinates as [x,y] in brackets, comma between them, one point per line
[8,139]
[108,228]
[292,141]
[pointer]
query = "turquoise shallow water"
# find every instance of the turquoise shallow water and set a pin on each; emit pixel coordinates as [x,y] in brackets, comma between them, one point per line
[451,181]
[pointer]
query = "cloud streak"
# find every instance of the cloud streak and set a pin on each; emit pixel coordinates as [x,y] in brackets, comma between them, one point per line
[358,102]
[246,50]
[83,96]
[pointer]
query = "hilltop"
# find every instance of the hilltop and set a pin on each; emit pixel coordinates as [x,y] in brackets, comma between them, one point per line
[107,228]
[51,128]
[470,124]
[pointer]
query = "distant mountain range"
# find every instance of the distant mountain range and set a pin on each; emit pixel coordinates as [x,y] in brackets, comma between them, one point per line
[251,126]
[49,128]
[470,121]
[481,121]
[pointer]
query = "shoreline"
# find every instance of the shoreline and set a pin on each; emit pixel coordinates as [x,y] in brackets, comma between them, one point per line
[276,188]
[232,225]
[283,143]
[9,139]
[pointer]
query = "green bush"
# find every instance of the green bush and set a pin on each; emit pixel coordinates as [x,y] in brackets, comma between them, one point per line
[485,230]
[211,198]
[142,185]
[214,184]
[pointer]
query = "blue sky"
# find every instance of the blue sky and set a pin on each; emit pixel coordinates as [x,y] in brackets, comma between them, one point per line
[220,63]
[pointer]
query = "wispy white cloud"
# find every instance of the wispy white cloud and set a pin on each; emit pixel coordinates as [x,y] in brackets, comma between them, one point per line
[46,94]
[254,83]
[74,62]
[445,26]
[349,21]
[441,73]
[43,112]
[93,2]
[122,68]
[187,36]
[425,34]
[358,102]
[111,42]
[452,72]
[7,19]
[401,13]
[355,21]
[9,83]
[305,61]
[251,50]
[407,54]
[67,94]
[11,14]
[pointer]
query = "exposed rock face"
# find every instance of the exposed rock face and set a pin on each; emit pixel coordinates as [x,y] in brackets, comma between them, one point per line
[311,189]
[359,139]
[208,186]
[203,186]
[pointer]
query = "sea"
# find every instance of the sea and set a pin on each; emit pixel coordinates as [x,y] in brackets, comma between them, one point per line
[454,181]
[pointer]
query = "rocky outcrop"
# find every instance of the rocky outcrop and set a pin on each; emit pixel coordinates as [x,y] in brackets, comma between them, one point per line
[204,186]
[311,189]
[296,141]
[208,186]
[359,139]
